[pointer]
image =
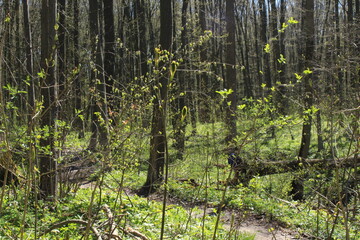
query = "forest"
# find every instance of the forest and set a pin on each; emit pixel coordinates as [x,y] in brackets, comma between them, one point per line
[179,119]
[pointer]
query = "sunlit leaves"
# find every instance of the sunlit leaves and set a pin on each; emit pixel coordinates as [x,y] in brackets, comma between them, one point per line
[224,93]
[41,74]
[267,48]
[307,71]
[292,21]
[282,59]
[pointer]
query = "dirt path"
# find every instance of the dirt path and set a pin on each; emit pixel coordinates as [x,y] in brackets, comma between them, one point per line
[258,225]
[235,220]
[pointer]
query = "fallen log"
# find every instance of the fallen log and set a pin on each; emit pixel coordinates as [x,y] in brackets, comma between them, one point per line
[246,170]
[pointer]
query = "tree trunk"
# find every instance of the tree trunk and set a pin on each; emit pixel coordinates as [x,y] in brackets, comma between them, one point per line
[48,179]
[281,101]
[79,123]
[264,41]
[230,81]
[29,58]
[109,51]
[141,20]
[61,51]
[203,103]
[249,170]
[309,37]
[179,121]
[98,107]
[158,139]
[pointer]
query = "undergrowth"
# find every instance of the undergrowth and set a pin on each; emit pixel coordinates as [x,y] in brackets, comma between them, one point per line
[197,181]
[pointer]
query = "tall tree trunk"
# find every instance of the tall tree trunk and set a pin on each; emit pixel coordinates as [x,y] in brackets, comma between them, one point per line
[158,139]
[282,103]
[230,81]
[29,58]
[61,59]
[179,121]
[309,39]
[141,21]
[244,52]
[79,123]
[109,55]
[274,39]
[203,103]
[264,41]
[48,179]
[258,54]
[98,107]
[338,55]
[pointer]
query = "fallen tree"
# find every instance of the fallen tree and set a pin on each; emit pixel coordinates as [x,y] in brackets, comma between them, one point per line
[245,170]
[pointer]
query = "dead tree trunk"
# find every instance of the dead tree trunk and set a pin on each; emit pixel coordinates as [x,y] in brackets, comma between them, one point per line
[247,170]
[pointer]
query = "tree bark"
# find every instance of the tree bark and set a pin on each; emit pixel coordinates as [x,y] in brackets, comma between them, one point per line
[61,60]
[29,58]
[158,139]
[98,107]
[48,178]
[179,121]
[109,50]
[230,81]
[248,170]
[264,40]
[309,37]
[203,80]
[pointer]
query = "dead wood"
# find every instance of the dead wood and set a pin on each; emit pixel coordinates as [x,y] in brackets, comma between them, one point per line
[76,221]
[249,169]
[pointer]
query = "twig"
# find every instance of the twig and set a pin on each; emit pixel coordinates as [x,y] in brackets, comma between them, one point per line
[136,233]
[113,231]
[76,221]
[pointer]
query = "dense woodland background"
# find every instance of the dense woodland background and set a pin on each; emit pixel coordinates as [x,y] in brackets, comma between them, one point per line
[113,73]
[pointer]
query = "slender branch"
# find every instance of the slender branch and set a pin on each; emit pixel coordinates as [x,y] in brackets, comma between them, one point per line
[76,221]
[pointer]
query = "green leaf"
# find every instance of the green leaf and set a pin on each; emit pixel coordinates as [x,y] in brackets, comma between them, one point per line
[224,93]
[298,76]
[242,106]
[292,21]
[41,74]
[307,71]
[267,48]
[282,59]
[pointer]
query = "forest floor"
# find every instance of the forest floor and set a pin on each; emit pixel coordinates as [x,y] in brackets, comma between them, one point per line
[236,221]
[231,219]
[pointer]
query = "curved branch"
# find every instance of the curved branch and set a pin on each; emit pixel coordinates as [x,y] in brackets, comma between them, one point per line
[76,221]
